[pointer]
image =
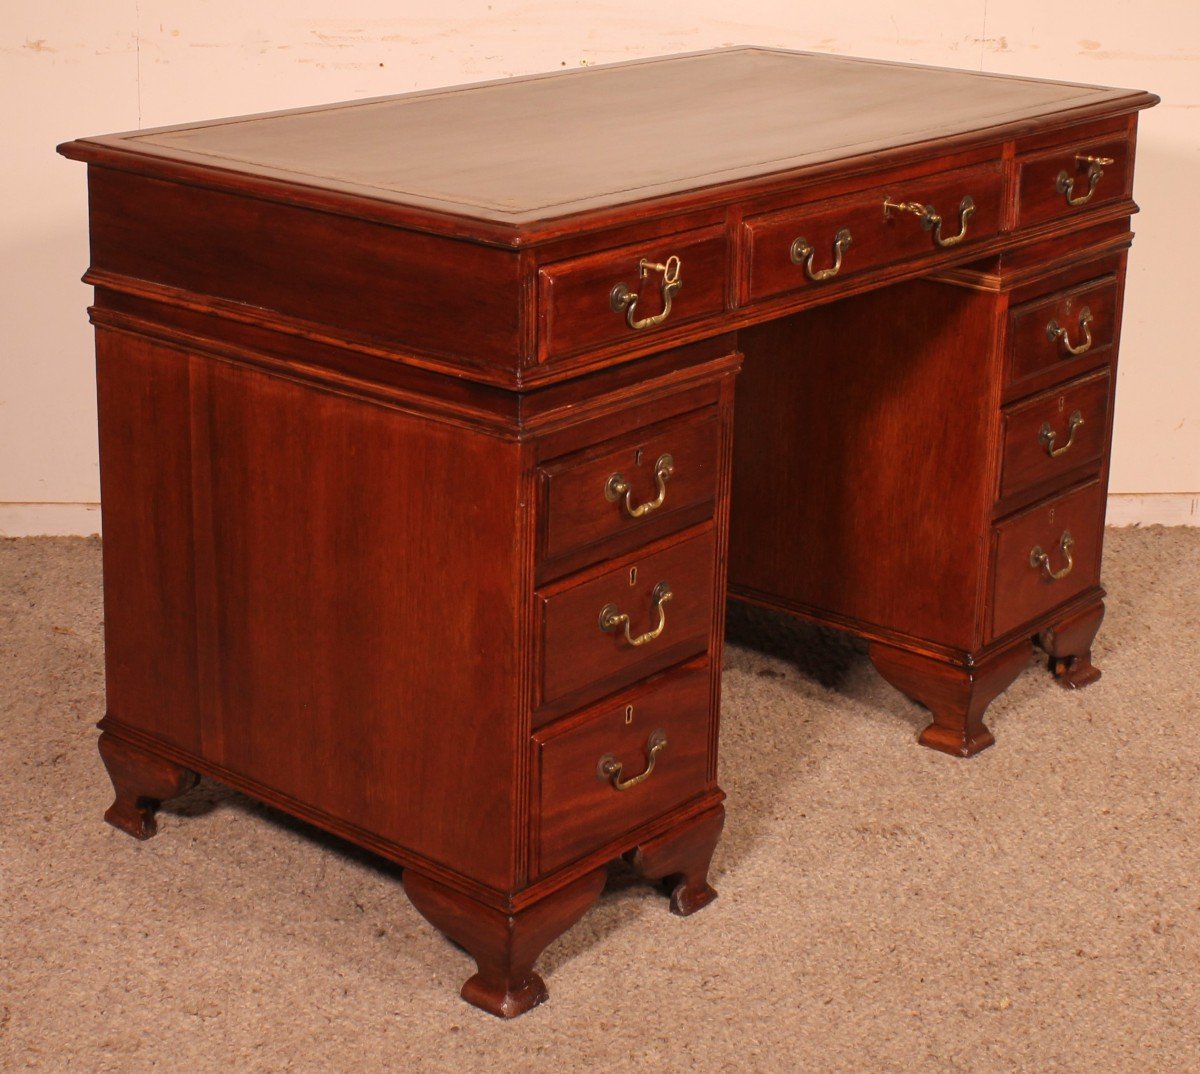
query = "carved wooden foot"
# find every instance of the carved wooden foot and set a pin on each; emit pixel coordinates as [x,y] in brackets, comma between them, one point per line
[503,945]
[681,858]
[956,697]
[1069,647]
[142,782]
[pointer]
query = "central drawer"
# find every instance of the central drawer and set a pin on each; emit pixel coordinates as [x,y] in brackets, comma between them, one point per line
[620,764]
[606,627]
[819,244]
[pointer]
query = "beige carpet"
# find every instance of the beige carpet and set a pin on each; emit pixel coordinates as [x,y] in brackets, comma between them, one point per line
[883,908]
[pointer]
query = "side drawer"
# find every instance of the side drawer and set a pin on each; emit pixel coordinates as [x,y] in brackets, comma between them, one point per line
[632,291]
[1047,555]
[587,767]
[1054,433]
[587,647]
[1072,179]
[1064,330]
[625,484]
[815,245]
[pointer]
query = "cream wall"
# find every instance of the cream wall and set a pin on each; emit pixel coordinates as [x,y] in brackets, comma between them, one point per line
[73,68]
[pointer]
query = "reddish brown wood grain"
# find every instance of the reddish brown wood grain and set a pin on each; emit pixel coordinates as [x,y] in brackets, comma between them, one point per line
[876,238]
[504,944]
[848,479]
[1039,195]
[956,695]
[150,659]
[681,859]
[362,386]
[579,660]
[312,626]
[341,605]
[1068,643]
[577,511]
[861,504]
[576,809]
[417,296]
[1024,591]
[1031,350]
[574,297]
[1027,459]
[141,780]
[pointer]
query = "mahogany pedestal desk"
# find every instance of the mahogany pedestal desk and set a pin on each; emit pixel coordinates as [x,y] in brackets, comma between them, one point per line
[417,430]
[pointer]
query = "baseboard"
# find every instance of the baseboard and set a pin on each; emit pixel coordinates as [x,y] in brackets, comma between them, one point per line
[83,519]
[1153,509]
[49,519]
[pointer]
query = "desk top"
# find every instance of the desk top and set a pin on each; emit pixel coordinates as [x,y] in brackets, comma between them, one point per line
[525,151]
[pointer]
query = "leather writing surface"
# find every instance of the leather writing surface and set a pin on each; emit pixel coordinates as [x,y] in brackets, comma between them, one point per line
[545,146]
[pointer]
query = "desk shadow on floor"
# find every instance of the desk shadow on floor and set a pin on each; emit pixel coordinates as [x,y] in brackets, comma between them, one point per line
[833,659]
[826,656]
[636,896]
[209,796]
[796,697]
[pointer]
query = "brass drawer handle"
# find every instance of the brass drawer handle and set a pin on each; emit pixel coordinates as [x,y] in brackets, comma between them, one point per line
[625,301]
[931,220]
[612,619]
[1047,435]
[1054,331]
[609,769]
[802,254]
[1065,185]
[1038,558]
[617,487]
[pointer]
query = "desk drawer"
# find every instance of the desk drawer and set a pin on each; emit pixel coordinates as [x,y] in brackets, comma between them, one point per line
[659,731]
[1072,179]
[667,594]
[1064,330]
[1054,433]
[631,292]
[816,245]
[626,484]
[1061,536]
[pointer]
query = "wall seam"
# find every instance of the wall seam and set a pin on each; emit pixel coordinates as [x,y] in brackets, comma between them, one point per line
[137,43]
[983,35]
